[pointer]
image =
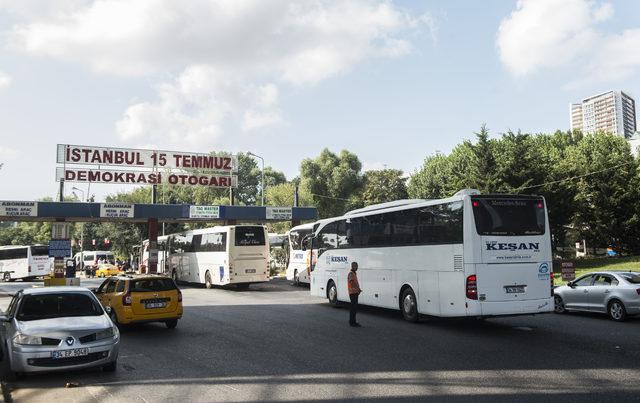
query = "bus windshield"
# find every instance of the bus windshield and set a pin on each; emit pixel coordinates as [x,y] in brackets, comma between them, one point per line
[249,236]
[297,237]
[509,216]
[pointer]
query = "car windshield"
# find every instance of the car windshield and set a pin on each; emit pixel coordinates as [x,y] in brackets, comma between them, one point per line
[633,278]
[57,305]
[152,284]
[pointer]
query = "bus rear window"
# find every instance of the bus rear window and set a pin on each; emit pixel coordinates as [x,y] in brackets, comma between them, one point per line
[40,250]
[250,236]
[509,216]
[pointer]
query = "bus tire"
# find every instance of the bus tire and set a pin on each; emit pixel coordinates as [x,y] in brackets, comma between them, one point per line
[207,280]
[409,305]
[171,324]
[558,304]
[332,293]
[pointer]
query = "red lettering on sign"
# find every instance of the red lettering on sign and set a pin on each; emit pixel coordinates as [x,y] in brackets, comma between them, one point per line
[94,176]
[119,177]
[69,175]
[223,181]
[108,175]
[177,158]
[173,179]
[227,163]
[82,175]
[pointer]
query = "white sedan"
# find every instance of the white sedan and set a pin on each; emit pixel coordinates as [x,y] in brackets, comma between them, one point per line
[614,293]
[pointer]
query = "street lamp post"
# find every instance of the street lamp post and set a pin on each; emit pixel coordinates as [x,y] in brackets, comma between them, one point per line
[262,177]
[81,231]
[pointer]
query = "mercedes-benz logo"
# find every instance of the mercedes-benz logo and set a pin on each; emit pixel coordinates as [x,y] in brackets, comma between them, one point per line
[70,340]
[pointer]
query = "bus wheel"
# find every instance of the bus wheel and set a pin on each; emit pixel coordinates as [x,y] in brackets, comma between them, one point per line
[409,305]
[207,280]
[332,293]
[296,278]
[6,277]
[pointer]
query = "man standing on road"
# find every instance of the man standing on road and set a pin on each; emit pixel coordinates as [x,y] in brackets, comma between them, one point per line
[354,291]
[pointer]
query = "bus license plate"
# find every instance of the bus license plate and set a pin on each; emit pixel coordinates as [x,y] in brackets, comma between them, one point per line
[153,305]
[78,352]
[250,271]
[514,289]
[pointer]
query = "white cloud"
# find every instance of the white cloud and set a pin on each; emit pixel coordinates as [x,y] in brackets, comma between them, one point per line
[5,80]
[228,59]
[544,34]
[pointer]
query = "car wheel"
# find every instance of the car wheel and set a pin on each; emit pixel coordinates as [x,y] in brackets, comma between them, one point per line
[617,311]
[409,305]
[110,367]
[171,324]
[559,304]
[332,293]
[6,277]
[207,280]
[296,278]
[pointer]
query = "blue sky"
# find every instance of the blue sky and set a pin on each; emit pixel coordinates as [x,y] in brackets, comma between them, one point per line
[392,82]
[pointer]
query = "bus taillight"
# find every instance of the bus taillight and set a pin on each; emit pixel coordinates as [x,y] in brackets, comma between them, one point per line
[472,287]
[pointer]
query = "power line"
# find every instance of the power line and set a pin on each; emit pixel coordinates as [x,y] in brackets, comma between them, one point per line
[329,197]
[576,177]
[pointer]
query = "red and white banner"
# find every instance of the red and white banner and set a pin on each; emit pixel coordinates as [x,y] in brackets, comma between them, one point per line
[145,159]
[144,178]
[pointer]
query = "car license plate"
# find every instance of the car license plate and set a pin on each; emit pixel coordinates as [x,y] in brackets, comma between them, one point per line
[250,271]
[154,305]
[77,352]
[514,289]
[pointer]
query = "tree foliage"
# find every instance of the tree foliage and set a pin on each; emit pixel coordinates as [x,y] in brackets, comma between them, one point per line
[383,186]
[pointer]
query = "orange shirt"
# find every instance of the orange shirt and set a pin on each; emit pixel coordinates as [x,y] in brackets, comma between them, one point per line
[352,283]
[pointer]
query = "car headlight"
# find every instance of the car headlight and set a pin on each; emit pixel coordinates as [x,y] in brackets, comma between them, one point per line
[24,339]
[108,333]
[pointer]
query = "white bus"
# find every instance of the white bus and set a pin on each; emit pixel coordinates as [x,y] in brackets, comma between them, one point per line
[223,255]
[468,255]
[298,255]
[24,262]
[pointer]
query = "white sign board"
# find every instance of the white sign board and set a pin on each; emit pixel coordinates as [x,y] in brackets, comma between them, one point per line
[279,213]
[204,211]
[116,210]
[18,209]
[145,159]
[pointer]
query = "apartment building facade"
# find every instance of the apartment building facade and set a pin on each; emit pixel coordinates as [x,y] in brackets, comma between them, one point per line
[612,111]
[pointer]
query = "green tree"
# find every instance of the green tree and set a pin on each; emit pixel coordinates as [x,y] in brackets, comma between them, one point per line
[383,186]
[334,181]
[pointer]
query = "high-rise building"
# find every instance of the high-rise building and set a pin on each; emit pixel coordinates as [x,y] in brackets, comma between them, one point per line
[612,111]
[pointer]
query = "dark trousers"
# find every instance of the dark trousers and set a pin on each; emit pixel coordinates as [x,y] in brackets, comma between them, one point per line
[353,309]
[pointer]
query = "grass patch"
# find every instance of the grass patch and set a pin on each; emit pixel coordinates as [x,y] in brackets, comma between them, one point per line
[583,266]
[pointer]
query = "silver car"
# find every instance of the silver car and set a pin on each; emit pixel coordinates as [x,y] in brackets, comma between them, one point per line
[614,293]
[58,328]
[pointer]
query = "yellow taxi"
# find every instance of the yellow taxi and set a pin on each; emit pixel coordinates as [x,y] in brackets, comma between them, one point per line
[141,299]
[107,270]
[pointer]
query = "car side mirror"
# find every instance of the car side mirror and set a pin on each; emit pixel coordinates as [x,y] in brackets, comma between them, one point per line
[95,291]
[5,318]
[571,284]
[107,309]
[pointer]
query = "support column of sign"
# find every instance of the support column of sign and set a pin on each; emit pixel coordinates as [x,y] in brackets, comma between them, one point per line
[60,249]
[153,245]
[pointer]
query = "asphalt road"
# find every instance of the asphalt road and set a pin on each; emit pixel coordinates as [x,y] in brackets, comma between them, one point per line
[274,342]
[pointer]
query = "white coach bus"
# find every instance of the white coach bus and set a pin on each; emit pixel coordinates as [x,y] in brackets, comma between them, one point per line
[468,255]
[223,255]
[298,256]
[23,262]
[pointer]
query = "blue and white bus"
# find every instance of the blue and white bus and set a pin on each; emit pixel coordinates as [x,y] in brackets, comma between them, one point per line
[468,255]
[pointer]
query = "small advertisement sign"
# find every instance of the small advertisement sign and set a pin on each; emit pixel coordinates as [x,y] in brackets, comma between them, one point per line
[18,209]
[204,211]
[568,270]
[60,248]
[279,213]
[116,210]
